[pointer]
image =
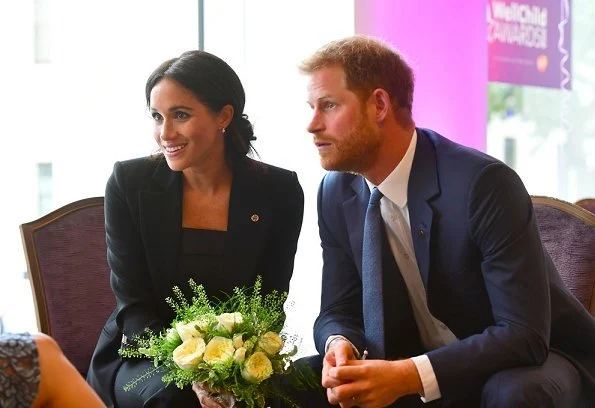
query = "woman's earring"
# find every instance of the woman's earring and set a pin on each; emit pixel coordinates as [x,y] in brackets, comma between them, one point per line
[223,130]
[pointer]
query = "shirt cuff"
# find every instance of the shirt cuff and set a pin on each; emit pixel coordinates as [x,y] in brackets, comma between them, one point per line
[338,336]
[428,378]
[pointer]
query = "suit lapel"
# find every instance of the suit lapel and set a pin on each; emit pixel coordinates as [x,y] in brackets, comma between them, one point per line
[422,186]
[355,214]
[250,216]
[161,224]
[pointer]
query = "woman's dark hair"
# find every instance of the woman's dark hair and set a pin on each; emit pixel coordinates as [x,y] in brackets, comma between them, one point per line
[215,84]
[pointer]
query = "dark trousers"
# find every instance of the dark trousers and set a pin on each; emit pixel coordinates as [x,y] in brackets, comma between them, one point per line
[556,383]
[151,392]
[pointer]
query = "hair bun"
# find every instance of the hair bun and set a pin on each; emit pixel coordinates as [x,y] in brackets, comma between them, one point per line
[246,129]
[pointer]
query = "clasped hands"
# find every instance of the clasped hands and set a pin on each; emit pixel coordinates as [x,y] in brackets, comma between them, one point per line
[350,382]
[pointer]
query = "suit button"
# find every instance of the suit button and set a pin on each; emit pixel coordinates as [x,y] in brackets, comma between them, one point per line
[421,234]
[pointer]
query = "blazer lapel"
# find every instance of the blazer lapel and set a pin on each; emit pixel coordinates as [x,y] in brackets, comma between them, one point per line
[355,214]
[249,220]
[423,185]
[250,217]
[161,225]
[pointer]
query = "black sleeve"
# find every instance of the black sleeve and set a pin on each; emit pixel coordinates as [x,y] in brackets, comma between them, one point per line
[129,274]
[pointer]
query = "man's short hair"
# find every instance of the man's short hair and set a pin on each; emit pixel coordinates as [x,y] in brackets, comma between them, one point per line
[368,64]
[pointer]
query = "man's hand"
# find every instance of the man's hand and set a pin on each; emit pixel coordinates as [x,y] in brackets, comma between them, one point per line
[372,383]
[339,353]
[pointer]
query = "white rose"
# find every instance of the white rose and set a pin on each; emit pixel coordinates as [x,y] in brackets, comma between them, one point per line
[227,321]
[237,340]
[219,350]
[188,330]
[270,343]
[172,334]
[257,368]
[240,355]
[188,354]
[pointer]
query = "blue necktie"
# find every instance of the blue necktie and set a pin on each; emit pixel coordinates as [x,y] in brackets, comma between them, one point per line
[372,293]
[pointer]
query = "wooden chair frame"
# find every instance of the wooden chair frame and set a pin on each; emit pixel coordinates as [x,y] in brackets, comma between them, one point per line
[576,211]
[33,269]
[585,202]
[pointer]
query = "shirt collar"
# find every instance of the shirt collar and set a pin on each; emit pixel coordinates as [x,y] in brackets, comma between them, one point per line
[394,187]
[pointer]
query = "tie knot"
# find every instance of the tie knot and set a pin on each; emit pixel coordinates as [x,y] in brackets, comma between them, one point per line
[375,197]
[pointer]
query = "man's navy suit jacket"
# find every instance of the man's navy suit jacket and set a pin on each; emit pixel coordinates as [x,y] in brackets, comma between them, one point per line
[486,273]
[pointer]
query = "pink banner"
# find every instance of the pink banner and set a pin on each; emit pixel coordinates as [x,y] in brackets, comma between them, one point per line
[529,42]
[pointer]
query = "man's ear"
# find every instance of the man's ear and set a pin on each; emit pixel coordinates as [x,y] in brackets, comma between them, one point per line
[381,100]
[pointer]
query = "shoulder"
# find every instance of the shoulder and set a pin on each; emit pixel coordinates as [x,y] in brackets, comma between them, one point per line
[485,183]
[339,181]
[275,187]
[453,155]
[140,167]
[267,171]
[460,166]
[337,186]
[130,176]
[269,177]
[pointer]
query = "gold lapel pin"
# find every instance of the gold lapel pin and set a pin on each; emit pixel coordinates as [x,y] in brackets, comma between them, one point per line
[255,218]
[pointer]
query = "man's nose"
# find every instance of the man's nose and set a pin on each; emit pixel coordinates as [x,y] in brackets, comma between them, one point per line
[316,124]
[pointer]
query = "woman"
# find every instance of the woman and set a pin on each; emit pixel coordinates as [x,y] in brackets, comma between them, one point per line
[201,209]
[35,373]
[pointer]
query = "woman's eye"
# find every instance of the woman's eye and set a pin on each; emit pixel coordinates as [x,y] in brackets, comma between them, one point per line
[181,115]
[156,116]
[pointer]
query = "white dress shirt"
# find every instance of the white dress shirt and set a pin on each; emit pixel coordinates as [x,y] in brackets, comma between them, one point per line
[395,214]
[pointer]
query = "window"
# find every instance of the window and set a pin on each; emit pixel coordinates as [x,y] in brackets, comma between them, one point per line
[548,135]
[42,35]
[45,188]
[67,120]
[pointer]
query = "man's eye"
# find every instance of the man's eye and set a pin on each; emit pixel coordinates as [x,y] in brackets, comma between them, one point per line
[329,105]
[181,115]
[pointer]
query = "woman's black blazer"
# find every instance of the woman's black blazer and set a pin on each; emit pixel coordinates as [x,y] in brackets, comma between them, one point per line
[143,221]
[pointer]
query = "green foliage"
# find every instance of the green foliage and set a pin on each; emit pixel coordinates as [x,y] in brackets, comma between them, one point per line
[260,315]
[504,99]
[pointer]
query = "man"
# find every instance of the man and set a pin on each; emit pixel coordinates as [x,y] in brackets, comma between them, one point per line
[461,305]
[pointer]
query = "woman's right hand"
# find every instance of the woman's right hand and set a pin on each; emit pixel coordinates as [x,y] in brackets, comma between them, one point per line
[207,400]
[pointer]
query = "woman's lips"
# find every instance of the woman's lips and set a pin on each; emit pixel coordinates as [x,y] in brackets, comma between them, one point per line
[173,150]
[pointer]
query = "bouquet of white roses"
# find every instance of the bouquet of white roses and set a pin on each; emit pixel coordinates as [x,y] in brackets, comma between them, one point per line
[231,347]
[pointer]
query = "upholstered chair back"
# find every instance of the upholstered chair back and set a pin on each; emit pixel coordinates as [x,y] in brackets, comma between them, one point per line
[568,234]
[67,265]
